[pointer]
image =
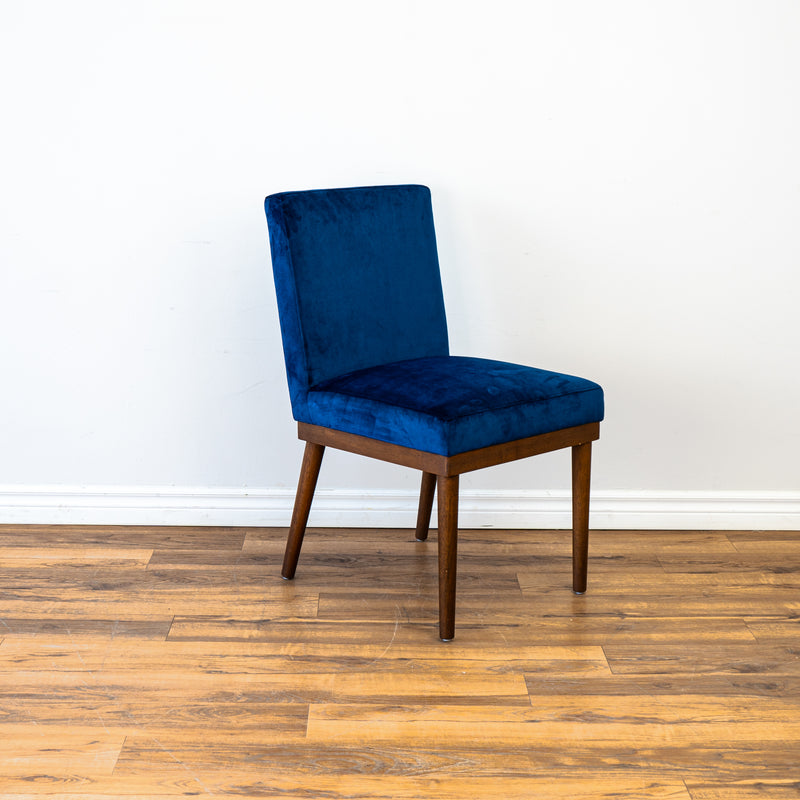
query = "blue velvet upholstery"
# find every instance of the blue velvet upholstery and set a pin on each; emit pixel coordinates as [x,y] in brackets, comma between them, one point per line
[357,279]
[365,335]
[451,404]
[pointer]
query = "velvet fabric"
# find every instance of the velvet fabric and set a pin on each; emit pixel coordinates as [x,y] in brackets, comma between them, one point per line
[357,279]
[451,404]
[365,335]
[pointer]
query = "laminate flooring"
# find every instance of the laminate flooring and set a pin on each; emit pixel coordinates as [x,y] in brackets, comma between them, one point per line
[159,663]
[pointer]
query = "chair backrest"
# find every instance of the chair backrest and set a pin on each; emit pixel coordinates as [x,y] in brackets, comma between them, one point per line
[357,279]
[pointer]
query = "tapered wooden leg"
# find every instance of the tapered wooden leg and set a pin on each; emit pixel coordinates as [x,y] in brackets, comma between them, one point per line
[425,505]
[312,460]
[581,474]
[447,487]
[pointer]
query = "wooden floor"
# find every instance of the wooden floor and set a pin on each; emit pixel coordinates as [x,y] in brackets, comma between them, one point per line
[173,662]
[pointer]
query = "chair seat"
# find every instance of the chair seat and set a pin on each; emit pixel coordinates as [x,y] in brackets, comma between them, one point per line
[452,404]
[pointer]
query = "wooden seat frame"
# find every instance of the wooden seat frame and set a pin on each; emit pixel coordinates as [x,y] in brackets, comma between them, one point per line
[440,473]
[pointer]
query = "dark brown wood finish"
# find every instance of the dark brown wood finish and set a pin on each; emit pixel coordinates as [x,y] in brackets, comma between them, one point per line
[581,481]
[426,492]
[437,471]
[449,465]
[309,472]
[447,492]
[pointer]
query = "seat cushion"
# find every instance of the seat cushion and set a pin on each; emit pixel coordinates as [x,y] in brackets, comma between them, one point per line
[452,404]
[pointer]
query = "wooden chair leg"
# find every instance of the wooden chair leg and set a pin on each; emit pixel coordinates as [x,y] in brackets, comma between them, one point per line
[312,460]
[425,505]
[447,488]
[581,473]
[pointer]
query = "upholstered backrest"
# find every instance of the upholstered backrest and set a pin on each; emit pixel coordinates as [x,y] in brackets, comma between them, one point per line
[357,279]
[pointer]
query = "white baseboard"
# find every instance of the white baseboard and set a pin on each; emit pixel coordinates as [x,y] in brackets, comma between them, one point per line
[610,510]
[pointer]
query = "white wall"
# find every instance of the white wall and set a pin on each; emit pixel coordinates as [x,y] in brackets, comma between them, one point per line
[617,194]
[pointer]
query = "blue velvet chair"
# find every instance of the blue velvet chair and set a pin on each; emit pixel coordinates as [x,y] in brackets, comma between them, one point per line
[369,367]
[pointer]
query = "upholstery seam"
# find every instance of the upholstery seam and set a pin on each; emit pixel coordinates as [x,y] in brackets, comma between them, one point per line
[295,296]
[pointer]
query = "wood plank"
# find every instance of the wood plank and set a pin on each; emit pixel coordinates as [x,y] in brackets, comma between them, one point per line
[769,563]
[759,600]
[119,536]
[717,685]
[396,633]
[775,631]
[83,628]
[786,544]
[75,556]
[31,749]
[737,659]
[179,779]
[229,656]
[555,762]
[126,704]
[78,581]
[232,658]
[445,686]
[764,788]
[536,609]
[664,721]
[159,604]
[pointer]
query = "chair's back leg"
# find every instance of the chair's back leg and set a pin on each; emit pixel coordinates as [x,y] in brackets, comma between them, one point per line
[312,460]
[426,491]
[447,488]
[581,479]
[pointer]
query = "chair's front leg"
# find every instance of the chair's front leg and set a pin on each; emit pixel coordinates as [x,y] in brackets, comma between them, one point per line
[309,472]
[581,474]
[426,491]
[447,488]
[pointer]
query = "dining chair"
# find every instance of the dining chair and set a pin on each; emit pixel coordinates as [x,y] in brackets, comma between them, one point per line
[369,368]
